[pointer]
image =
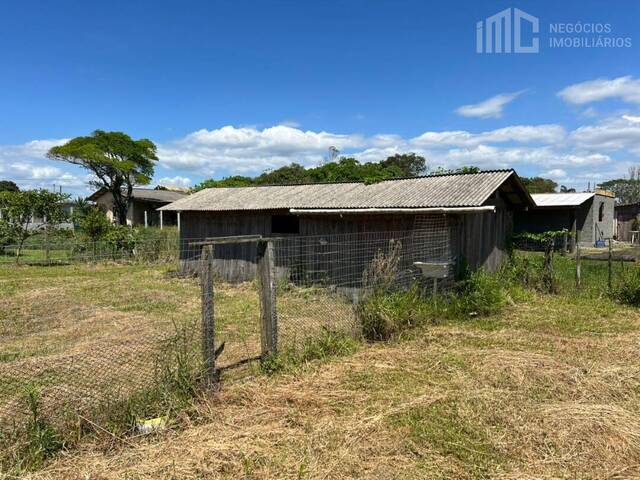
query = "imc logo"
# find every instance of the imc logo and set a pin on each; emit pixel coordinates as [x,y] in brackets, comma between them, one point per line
[494,35]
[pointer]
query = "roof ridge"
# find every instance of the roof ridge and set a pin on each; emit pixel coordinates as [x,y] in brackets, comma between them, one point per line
[340,182]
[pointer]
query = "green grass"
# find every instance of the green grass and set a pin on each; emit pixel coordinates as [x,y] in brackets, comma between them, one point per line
[441,426]
[468,373]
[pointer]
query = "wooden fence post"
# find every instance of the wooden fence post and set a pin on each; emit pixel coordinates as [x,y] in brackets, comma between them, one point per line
[208,318]
[565,242]
[578,273]
[610,262]
[268,312]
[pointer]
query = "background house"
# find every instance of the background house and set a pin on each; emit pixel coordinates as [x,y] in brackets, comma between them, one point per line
[143,205]
[589,213]
[465,217]
[625,217]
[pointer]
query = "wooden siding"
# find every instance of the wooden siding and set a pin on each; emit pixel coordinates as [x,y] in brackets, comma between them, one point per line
[625,215]
[482,239]
[478,239]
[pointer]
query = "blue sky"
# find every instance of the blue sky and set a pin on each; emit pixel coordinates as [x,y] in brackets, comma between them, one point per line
[226,87]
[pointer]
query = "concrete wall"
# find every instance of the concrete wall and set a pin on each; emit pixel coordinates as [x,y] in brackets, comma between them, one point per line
[135,212]
[557,218]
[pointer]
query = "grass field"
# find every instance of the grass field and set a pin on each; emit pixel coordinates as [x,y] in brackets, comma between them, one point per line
[548,388]
[86,333]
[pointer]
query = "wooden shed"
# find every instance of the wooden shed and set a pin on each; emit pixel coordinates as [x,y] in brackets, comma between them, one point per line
[474,212]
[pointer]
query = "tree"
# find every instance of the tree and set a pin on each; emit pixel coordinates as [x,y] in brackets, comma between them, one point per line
[411,164]
[117,161]
[539,184]
[343,169]
[235,181]
[20,209]
[626,191]
[94,224]
[564,189]
[8,186]
[287,175]
[463,169]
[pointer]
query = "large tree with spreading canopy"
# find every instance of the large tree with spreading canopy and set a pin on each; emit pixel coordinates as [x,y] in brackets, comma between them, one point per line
[116,160]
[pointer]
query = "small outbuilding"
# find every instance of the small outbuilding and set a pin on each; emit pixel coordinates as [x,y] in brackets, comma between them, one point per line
[471,213]
[590,214]
[143,206]
[627,222]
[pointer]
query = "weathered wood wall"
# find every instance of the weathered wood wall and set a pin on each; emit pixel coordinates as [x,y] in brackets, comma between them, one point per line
[482,238]
[478,239]
[625,215]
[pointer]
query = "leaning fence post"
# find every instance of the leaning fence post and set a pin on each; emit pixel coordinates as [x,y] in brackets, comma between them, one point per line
[610,262]
[268,312]
[578,273]
[208,319]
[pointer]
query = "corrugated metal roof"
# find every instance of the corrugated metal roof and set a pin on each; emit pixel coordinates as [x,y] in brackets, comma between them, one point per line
[148,194]
[561,199]
[453,190]
[154,195]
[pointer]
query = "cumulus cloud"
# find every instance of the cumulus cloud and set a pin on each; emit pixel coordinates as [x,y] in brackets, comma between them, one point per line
[546,149]
[516,133]
[26,165]
[177,181]
[625,88]
[248,149]
[489,108]
[615,133]
[556,173]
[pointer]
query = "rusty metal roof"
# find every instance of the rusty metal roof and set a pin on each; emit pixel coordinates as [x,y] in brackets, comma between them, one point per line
[446,190]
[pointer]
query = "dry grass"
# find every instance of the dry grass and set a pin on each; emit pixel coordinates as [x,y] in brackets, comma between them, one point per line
[86,333]
[550,388]
[497,399]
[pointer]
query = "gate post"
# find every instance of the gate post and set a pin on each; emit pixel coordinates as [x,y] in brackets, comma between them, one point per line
[268,311]
[208,317]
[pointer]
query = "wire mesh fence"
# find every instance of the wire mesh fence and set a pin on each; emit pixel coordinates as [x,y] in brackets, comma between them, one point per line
[102,337]
[146,246]
[104,333]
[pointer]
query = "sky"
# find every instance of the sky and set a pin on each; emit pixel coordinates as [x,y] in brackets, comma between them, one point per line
[237,87]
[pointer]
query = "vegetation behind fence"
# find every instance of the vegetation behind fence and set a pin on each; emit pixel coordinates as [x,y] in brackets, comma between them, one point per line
[108,346]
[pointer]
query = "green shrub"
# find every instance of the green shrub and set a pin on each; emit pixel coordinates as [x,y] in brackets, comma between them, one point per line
[29,444]
[121,240]
[94,224]
[155,245]
[383,315]
[627,291]
[480,294]
[528,271]
[330,343]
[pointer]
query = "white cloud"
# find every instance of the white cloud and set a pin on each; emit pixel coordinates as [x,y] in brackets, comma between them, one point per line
[516,133]
[248,149]
[547,149]
[631,118]
[177,181]
[489,108]
[556,173]
[27,165]
[624,88]
[615,133]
